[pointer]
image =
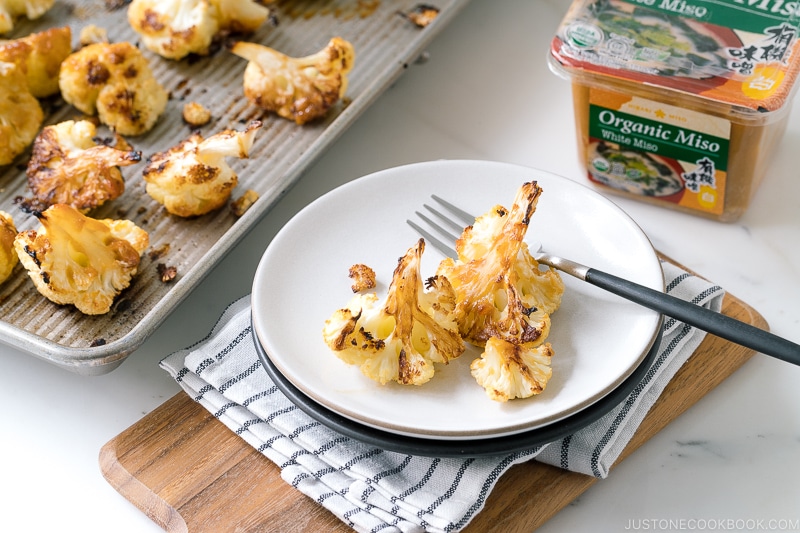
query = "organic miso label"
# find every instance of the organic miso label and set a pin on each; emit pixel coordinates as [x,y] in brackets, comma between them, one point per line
[658,150]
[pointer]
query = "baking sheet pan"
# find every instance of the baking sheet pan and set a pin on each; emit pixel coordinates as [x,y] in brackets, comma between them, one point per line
[385,42]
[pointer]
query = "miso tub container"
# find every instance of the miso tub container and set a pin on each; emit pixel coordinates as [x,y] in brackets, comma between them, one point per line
[680,103]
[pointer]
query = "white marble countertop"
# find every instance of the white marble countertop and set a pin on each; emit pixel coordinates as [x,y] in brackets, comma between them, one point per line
[484,93]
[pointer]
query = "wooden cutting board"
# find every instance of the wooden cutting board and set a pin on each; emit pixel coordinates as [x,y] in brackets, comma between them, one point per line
[190,473]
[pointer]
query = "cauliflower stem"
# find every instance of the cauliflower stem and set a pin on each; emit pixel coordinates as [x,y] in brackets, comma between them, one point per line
[299,89]
[497,282]
[402,337]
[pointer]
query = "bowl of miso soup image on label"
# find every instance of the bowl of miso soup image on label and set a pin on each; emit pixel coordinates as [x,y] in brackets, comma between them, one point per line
[635,172]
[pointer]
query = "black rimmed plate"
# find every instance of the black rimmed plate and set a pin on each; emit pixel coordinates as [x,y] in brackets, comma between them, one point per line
[433,447]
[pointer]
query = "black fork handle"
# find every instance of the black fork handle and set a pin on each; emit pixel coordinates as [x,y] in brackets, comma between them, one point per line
[700,317]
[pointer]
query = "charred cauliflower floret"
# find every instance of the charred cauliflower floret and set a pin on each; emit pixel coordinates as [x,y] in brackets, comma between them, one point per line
[176,28]
[10,10]
[402,337]
[501,292]
[39,56]
[74,259]
[363,278]
[68,167]
[193,178]
[20,113]
[8,256]
[504,300]
[298,89]
[114,81]
[507,370]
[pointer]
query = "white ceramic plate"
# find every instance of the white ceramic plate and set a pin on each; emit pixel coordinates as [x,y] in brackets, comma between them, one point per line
[598,338]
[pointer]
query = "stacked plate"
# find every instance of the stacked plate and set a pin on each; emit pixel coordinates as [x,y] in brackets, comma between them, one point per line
[603,345]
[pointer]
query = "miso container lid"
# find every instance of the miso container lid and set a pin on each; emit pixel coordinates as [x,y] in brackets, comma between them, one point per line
[742,53]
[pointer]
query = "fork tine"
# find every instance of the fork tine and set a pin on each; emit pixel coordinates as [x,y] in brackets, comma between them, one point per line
[460,213]
[452,224]
[446,249]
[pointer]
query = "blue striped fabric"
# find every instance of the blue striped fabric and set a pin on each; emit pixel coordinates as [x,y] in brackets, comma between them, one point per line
[375,490]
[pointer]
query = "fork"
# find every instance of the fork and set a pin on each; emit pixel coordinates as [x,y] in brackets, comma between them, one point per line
[702,318]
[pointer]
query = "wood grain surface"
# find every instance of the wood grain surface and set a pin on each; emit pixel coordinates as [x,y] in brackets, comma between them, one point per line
[188,472]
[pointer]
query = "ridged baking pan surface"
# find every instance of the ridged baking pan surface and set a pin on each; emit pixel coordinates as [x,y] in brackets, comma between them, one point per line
[385,42]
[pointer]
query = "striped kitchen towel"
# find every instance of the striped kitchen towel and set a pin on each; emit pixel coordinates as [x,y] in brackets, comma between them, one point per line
[371,489]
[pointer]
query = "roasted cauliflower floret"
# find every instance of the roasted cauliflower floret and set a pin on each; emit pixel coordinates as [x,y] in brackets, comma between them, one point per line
[402,337]
[240,205]
[20,113]
[504,300]
[500,290]
[68,167]
[299,89]
[8,256]
[241,17]
[10,10]
[114,81]
[507,370]
[196,114]
[363,278]
[193,178]
[92,34]
[39,56]
[74,259]
[422,15]
[177,28]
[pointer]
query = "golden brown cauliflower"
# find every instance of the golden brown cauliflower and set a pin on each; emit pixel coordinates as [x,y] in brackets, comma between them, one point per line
[507,370]
[196,114]
[501,291]
[193,178]
[39,56]
[20,113]
[114,81]
[422,15]
[177,28]
[68,167]
[74,259]
[402,337]
[299,89]
[91,34]
[240,205]
[8,257]
[10,10]
[363,278]
[504,300]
